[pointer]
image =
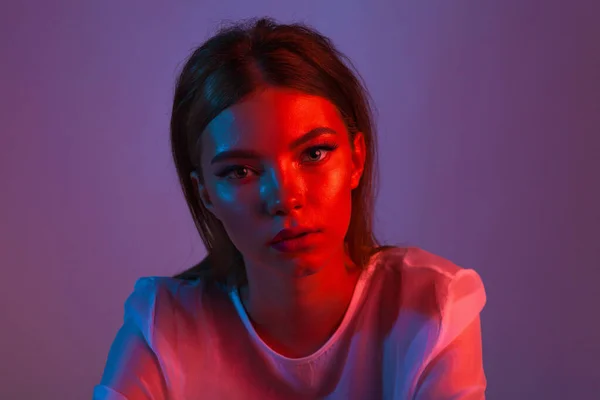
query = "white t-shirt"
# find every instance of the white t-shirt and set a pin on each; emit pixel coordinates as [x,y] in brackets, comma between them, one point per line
[411,331]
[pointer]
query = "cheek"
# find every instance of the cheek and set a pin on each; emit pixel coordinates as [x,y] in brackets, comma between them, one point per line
[331,186]
[233,212]
[333,201]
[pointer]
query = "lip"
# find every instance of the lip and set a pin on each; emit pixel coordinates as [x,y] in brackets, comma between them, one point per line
[291,233]
[296,244]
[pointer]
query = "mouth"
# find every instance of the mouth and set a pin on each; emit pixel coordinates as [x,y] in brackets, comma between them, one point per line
[292,234]
[293,237]
[297,244]
[287,239]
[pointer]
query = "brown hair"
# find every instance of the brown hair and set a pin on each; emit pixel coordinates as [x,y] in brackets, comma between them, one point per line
[236,62]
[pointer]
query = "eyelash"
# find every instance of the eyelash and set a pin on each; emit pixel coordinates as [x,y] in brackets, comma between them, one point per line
[329,147]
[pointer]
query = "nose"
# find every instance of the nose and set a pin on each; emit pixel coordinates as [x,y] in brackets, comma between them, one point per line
[283,193]
[284,206]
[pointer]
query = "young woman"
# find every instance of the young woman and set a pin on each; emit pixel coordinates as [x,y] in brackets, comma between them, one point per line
[275,148]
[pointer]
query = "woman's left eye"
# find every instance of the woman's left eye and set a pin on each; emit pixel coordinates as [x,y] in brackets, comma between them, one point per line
[320,148]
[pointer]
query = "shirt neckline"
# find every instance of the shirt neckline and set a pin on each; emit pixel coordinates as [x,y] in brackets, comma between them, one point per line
[355,301]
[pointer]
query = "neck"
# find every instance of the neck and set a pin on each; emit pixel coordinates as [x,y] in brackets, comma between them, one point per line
[296,316]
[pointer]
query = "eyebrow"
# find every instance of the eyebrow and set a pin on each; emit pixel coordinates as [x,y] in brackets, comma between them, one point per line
[251,154]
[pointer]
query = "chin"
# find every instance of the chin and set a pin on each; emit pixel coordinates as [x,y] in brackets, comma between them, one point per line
[303,271]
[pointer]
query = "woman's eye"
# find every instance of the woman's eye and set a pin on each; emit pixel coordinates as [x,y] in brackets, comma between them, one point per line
[237,169]
[320,149]
[231,171]
[310,151]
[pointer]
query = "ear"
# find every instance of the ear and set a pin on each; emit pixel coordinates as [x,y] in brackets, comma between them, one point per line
[358,159]
[202,192]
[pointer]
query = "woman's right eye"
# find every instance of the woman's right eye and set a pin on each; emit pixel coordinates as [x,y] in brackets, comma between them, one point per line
[235,168]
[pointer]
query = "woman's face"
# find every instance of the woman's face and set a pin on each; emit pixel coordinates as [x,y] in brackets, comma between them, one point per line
[277,184]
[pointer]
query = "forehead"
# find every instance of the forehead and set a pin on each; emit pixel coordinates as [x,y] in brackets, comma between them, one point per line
[269,117]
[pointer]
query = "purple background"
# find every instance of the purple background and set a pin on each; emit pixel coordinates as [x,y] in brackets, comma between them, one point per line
[489,122]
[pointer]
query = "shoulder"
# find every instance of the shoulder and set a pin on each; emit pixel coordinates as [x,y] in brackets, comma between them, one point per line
[425,273]
[158,301]
[433,288]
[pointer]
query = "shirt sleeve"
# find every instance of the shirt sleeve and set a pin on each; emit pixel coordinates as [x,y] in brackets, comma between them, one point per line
[132,371]
[454,369]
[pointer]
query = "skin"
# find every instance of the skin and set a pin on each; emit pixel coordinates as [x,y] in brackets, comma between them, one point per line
[295,301]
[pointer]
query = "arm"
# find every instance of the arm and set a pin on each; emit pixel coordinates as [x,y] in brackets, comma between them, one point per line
[132,371]
[454,368]
[456,373]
